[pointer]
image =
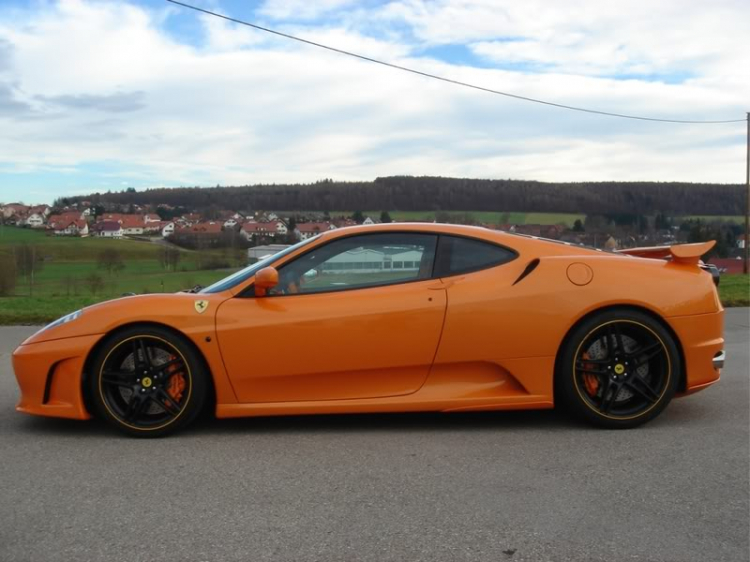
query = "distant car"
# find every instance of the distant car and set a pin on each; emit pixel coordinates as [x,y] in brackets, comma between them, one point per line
[393,318]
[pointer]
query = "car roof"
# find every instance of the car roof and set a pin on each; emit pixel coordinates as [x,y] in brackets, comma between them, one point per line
[519,242]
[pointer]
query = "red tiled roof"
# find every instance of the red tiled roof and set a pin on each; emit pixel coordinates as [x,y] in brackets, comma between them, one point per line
[252,227]
[65,218]
[206,227]
[108,226]
[313,226]
[132,221]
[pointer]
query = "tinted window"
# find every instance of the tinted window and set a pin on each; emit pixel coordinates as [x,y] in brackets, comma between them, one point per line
[359,261]
[461,255]
[245,274]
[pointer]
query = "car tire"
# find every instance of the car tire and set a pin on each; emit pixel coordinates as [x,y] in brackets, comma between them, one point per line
[147,381]
[618,369]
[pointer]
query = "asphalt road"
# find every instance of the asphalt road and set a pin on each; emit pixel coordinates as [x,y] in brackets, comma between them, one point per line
[499,486]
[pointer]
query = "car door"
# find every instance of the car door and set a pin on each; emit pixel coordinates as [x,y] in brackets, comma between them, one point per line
[357,317]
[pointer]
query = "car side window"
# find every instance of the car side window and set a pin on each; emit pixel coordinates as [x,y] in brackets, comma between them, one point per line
[366,260]
[456,255]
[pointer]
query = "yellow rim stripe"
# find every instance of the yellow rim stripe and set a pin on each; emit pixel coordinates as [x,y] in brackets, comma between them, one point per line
[115,416]
[666,386]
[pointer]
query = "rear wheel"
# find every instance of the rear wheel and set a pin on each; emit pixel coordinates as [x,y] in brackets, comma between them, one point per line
[147,382]
[619,369]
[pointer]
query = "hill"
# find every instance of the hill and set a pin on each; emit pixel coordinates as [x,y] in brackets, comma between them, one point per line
[409,193]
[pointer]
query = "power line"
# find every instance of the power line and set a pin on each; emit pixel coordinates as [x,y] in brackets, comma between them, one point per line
[444,79]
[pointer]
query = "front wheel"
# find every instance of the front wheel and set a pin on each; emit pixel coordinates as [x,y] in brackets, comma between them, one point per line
[619,369]
[147,382]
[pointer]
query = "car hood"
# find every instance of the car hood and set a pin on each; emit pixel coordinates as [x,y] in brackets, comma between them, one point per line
[185,311]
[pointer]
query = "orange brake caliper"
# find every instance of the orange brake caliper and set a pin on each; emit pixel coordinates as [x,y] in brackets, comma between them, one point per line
[590,380]
[176,385]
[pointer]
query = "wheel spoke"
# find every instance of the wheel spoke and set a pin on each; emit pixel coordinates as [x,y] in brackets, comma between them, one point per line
[164,400]
[642,389]
[587,366]
[144,352]
[119,378]
[618,338]
[646,353]
[135,406]
[172,362]
[609,394]
[136,362]
[609,339]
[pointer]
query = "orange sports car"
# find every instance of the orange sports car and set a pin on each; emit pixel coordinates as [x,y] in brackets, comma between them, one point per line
[393,318]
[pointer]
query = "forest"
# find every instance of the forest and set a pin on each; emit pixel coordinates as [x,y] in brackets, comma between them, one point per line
[410,193]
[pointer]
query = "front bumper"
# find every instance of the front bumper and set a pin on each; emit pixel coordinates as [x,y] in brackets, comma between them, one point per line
[50,376]
[702,339]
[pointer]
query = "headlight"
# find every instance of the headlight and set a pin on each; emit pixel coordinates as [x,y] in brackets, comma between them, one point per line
[64,320]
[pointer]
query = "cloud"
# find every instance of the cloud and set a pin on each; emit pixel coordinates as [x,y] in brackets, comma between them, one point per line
[6,52]
[113,91]
[301,9]
[121,102]
[10,106]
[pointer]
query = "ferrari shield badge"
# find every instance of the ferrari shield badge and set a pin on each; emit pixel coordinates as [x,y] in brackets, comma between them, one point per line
[201,306]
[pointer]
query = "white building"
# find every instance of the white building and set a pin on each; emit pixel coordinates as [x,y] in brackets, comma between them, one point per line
[372,261]
[35,220]
[260,252]
[168,230]
[110,229]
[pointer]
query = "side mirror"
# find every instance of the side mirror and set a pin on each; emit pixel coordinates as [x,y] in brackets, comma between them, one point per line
[265,279]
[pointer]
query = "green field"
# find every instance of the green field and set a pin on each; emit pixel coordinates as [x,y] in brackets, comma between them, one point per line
[65,263]
[735,290]
[737,219]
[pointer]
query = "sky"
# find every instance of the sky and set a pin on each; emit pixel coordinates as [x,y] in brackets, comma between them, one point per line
[99,96]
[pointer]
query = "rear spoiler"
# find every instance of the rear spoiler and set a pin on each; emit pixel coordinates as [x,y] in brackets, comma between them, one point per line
[679,253]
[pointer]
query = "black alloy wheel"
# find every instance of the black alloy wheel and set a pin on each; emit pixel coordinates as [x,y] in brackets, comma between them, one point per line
[619,369]
[147,382]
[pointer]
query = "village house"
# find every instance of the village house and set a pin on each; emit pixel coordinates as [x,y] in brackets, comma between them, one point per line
[42,210]
[35,220]
[132,225]
[14,209]
[76,227]
[309,229]
[250,229]
[108,229]
[167,230]
[63,220]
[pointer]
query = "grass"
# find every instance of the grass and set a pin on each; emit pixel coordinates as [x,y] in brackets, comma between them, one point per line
[40,310]
[734,290]
[737,219]
[65,261]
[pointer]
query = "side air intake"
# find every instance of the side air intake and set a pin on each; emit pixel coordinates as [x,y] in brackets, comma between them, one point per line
[529,268]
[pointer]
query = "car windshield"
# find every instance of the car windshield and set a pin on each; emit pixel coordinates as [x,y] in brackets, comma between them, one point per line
[244,274]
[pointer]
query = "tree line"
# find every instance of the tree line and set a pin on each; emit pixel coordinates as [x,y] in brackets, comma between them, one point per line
[410,193]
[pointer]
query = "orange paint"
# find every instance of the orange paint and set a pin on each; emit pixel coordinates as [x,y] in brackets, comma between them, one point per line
[479,340]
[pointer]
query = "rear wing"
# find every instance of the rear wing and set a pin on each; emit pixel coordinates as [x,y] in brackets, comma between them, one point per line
[679,253]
